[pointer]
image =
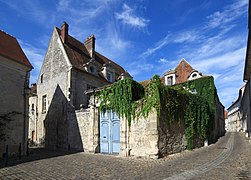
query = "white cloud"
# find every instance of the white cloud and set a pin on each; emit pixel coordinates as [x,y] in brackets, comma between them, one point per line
[163,42]
[198,35]
[33,10]
[175,38]
[229,14]
[63,5]
[137,68]
[35,56]
[127,16]
[162,61]
[221,62]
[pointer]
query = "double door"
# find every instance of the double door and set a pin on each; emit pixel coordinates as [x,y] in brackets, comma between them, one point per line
[109,132]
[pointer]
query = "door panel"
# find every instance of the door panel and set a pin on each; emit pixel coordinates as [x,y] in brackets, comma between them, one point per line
[104,138]
[115,136]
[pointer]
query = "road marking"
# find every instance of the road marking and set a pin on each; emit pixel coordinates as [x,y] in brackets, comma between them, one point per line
[207,166]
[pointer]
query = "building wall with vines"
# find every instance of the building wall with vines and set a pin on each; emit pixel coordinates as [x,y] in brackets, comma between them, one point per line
[186,114]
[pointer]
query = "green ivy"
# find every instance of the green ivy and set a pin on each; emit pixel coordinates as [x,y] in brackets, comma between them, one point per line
[131,100]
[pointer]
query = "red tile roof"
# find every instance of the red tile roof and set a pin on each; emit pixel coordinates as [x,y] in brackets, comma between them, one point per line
[10,48]
[145,82]
[183,70]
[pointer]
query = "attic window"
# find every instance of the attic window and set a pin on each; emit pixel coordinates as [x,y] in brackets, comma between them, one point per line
[194,75]
[170,80]
[109,77]
[92,69]
[41,78]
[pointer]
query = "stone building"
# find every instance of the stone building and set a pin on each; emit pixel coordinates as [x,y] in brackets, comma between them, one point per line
[234,119]
[70,67]
[14,79]
[245,108]
[150,137]
[69,117]
[32,136]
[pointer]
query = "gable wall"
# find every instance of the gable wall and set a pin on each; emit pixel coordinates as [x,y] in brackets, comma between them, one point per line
[55,86]
[183,70]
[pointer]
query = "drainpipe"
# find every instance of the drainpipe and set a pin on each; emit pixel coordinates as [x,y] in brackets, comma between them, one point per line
[26,86]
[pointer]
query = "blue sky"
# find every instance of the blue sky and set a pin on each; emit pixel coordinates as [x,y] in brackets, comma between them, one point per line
[145,37]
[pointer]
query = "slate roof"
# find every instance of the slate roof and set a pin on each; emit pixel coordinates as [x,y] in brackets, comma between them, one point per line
[10,48]
[79,55]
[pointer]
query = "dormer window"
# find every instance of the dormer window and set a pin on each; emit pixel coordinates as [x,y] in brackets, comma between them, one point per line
[194,75]
[92,69]
[109,77]
[170,79]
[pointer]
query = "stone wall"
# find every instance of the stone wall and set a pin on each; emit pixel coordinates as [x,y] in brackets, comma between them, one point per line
[245,111]
[82,81]
[171,137]
[219,128]
[32,135]
[143,136]
[13,100]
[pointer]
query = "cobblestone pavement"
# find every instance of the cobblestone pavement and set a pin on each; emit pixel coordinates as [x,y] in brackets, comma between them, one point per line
[229,158]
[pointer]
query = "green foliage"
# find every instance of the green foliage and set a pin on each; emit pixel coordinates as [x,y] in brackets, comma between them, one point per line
[131,100]
[121,97]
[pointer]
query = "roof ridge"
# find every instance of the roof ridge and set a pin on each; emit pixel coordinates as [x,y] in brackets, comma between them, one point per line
[184,60]
[8,34]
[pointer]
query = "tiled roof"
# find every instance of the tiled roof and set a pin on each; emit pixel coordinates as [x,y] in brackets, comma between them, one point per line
[145,83]
[183,70]
[79,55]
[10,48]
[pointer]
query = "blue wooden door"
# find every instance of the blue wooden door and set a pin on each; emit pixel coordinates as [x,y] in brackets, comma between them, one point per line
[109,132]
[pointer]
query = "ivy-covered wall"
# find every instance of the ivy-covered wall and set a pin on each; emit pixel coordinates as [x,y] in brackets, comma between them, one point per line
[186,112]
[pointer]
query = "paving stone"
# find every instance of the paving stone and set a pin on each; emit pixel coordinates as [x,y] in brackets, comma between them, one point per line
[229,158]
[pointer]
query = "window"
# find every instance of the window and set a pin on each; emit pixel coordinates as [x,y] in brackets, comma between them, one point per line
[92,69]
[194,75]
[41,78]
[32,109]
[109,77]
[44,104]
[170,80]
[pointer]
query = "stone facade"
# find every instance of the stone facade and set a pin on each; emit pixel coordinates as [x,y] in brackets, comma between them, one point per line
[70,68]
[245,108]
[245,120]
[32,136]
[66,118]
[14,79]
[219,120]
[234,120]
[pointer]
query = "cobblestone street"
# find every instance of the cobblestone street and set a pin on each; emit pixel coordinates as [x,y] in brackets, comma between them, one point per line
[229,158]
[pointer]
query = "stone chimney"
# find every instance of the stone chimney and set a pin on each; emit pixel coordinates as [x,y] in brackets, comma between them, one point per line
[64,32]
[90,45]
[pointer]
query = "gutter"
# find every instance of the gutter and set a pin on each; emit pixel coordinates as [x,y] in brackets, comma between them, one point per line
[26,86]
